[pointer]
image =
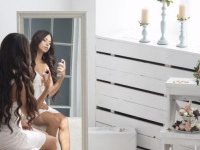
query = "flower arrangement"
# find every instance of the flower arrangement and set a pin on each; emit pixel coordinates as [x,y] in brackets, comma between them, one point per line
[188,124]
[196,73]
[168,2]
[189,111]
[185,126]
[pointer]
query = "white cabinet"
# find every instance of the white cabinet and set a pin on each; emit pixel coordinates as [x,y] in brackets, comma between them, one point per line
[130,84]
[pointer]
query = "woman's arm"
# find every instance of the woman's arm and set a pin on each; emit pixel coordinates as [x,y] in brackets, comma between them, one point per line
[23,97]
[23,108]
[24,121]
[56,86]
[61,70]
[23,100]
[50,88]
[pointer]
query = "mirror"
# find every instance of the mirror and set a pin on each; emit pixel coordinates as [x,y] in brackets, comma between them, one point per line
[69,37]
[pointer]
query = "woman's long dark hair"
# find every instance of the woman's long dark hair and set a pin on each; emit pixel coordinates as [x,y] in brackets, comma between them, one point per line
[48,57]
[15,64]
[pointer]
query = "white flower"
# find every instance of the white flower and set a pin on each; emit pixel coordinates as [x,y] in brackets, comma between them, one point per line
[185,114]
[193,124]
[181,112]
[198,125]
[191,113]
[181,126]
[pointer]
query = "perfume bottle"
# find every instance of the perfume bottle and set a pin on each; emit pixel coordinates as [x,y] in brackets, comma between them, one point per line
[61,62]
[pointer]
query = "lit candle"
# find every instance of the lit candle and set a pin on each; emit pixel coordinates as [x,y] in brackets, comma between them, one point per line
[182,12]
[144,17]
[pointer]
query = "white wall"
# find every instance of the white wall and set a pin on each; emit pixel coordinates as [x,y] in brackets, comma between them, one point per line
[116,15]
[112,15]
[9,24]
[10,7]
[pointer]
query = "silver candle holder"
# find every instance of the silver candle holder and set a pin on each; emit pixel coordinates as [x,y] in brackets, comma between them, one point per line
[144,34]
[181,36]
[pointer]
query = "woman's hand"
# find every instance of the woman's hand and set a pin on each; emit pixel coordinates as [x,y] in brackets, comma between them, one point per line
[46,79]
[25,125]
[61,68]
[43,106]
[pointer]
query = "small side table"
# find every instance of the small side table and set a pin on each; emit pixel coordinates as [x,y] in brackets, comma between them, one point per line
[179,89]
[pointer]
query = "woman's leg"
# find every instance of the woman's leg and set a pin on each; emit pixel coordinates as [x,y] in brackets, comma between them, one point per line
[50,143]
[50,121]
[53,121]
[64,134]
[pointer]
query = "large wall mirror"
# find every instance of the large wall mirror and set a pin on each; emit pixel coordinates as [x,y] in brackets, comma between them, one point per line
[69,37]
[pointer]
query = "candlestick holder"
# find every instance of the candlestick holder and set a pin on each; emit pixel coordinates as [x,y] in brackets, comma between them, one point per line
[181,36]
[162,40]
[144,33]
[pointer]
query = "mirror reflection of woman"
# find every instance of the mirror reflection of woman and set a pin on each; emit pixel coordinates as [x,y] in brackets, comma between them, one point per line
[18,106]
[43,63]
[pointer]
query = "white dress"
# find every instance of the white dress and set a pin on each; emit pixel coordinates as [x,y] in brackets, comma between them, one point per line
[38,89]
[20,139]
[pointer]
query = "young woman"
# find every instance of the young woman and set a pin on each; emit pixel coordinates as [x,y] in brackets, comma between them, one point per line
[18,106]
[43,63]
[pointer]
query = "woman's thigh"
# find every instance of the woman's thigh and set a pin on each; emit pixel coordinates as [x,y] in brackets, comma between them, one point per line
[46,118]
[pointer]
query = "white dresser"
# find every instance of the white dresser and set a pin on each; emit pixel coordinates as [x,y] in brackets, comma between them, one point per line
[130,84]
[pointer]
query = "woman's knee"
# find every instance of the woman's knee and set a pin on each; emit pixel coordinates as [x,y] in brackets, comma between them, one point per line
[52,118]
[48,119]
[64,121]
[55,121]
